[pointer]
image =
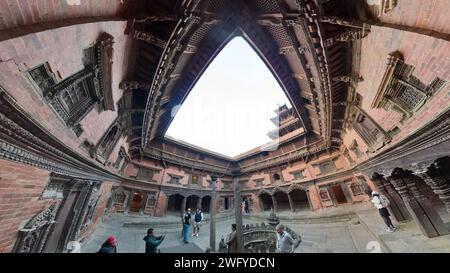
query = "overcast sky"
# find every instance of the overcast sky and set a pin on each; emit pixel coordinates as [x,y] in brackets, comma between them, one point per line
[229,109]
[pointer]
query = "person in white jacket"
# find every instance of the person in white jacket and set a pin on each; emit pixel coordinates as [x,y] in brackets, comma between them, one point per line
[381,203]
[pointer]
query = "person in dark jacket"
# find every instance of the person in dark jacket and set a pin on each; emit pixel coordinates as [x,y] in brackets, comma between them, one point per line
[152,242]
[109,246]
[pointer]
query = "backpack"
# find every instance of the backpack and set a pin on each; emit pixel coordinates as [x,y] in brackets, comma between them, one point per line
[384,201]
[198,216]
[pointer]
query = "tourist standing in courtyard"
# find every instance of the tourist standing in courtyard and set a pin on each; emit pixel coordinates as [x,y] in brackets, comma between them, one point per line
[285,242]
[186,225]
[232,240]
[109,246]
[198,219]
[381,203]
[152,242]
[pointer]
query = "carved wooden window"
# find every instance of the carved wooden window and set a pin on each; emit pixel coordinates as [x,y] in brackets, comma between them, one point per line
[107,143]
[151,201]
[120,158]
[402,92]
[145,174]
[259,182]
[324,196]
[174,179]
[357,189]
[226,185]
[298,175]
[194,179]
[276,177]
[355,149]
[120,198]
[372,134]
[327,167]
[75,96]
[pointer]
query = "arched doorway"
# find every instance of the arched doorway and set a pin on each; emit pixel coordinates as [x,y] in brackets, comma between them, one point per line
[300,199]
[266,201]
[206,203]
[282,201]
[136,202]
[174,203]
[192,202]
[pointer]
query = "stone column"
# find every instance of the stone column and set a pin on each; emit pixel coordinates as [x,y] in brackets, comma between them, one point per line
[274,202]
[397,206]
[212,215]
[199,203]
[404,184]
[183,205]
[291,202]
[435,178]
[238,215]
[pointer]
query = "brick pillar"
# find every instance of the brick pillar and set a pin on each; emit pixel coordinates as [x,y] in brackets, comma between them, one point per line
[397,207]
[274,203]
[291,203]
[423,214]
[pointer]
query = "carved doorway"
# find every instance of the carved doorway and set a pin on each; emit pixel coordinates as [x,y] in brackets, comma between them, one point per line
[192,202]
[136,202]
[206,203]
[226,203]
[175,203]
[300,199]
[266,201]
[339,194]
[282,201]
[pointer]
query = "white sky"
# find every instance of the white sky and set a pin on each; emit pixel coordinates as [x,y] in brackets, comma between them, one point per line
[229,109]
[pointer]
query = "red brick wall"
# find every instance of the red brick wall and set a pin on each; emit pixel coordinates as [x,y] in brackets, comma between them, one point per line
[430,14]
[62,48]
[430,58]
[25,12]
[20,188]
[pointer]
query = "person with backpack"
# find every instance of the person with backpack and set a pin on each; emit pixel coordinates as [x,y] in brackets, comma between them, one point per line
[381,203]
[198,219]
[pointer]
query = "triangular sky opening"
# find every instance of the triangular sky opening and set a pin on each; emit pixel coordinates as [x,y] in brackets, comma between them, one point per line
[229,109]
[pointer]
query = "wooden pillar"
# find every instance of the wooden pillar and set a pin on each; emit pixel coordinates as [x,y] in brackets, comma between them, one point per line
[238,215]
[143,203]
[439,183]
[199,203]
[129,198]
[212,213]
[397,207]
[183,205]
[291,202]
[332,196]
[422,214]
[274,203]
[309,201]
[347,194]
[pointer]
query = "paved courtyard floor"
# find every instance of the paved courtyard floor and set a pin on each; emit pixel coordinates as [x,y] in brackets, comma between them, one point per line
[357,229]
